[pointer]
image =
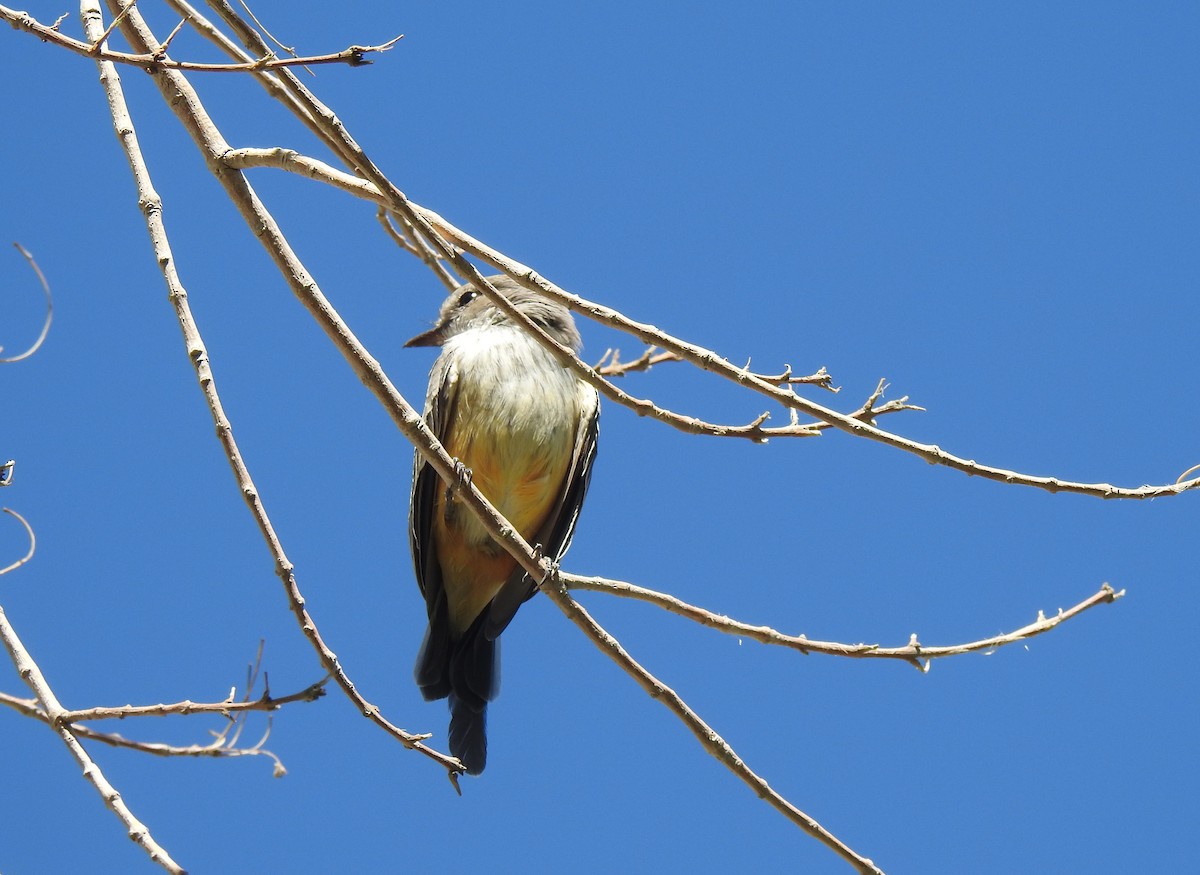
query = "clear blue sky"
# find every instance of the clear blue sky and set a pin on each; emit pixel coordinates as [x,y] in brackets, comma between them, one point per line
[997,209]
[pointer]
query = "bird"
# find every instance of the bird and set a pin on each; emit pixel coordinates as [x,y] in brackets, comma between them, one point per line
[525,427]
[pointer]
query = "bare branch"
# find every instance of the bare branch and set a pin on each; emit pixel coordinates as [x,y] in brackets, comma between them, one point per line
[49,308]
[185,104]
[171,36]
[705,734]
[265,703]
[220,748]
[858,423]
[414,243]
[424,235]
[610,364]
[196,121]
[709,361]
[821,378]
[32,675]
[354,56]
[224,743]
[868,411]
[914,652]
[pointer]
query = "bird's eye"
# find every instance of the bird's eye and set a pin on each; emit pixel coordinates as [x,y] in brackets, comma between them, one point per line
[466,298]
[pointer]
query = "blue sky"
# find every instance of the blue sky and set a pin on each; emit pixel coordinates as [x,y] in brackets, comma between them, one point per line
[996,209]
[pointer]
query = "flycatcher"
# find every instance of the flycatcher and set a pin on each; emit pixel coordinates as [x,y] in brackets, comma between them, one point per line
[526,427]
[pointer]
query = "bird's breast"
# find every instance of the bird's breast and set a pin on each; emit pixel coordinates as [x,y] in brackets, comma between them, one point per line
[516,411]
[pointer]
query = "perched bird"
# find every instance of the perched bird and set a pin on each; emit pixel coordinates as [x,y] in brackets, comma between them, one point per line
[526,427]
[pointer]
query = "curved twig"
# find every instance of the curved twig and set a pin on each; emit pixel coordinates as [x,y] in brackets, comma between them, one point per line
[49,308]
[32,542]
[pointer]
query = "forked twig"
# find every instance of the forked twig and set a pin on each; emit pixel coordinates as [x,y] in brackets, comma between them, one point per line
[354,56]
[49,704]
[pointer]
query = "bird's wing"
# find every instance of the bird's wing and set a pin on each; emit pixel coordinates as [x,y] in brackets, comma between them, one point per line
[434,657]
[554,537]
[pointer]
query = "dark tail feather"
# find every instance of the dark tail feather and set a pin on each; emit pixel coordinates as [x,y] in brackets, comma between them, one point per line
[433,660]
[466,670]
[474,666]
[468,734]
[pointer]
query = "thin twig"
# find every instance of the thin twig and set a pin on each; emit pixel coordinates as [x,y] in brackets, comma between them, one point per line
[218,748]
[265,703]
[166,44]
[354,56]
[289,49]
[1192,470]
[821,378]
[98,42]
[610,364]
[49,308]
[868,411]
[28,530]
[914,652]
[414,243]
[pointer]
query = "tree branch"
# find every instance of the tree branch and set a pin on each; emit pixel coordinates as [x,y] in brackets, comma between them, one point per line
[705,734]
[184,101]
[354,56]
[264,703]
[858,423]
[48,702]
[914,652]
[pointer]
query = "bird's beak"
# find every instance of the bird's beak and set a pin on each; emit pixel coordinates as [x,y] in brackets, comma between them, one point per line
[432,337]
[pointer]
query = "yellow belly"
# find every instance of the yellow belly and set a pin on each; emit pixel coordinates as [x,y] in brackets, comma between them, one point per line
[521,472]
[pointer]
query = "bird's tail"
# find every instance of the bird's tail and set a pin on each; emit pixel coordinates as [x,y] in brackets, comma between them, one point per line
[468,734]
[466,670]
